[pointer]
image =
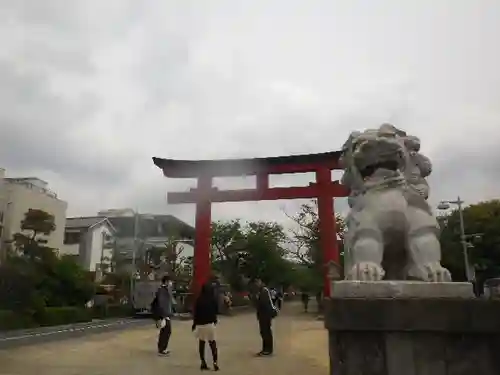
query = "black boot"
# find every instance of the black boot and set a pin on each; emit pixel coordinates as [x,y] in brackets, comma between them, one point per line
[201,350]
[215,354]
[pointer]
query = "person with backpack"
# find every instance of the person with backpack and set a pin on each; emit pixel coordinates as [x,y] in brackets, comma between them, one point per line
[162,309]
[204,321]
[266,312]
[274,295]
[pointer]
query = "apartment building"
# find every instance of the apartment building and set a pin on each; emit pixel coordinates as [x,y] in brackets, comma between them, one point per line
[91,241]
[18,195]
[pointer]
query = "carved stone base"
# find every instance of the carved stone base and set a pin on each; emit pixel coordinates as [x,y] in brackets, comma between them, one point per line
[424,332]
[400,289]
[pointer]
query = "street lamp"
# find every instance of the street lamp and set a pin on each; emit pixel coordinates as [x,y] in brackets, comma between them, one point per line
[445,205]
[135,247]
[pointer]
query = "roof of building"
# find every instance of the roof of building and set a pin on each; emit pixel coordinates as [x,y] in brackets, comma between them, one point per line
[236,167]
[19,179]
[86,222]
[151,226]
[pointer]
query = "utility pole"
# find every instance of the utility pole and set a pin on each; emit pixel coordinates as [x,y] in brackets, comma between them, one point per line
[134,251]
[463,238]
[444,205]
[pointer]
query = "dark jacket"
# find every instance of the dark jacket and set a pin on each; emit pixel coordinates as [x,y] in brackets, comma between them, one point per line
[165,299]
[264,305]
[205,310]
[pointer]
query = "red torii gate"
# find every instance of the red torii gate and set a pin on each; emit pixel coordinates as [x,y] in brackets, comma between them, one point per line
[324,189]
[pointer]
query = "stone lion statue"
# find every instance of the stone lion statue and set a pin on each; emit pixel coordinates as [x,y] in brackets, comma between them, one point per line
[392,233]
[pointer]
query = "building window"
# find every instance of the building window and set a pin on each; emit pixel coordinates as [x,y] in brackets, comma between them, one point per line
[72,238]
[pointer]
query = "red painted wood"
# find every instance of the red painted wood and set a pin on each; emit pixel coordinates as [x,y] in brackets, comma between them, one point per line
[247,167]
[327,225]
[301,168]
[202,268]
[262,181]
[298,192]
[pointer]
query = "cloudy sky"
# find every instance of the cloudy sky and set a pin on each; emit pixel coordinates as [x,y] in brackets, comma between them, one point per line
[91,90]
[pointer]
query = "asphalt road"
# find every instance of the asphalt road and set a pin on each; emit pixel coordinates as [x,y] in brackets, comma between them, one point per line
[45,334]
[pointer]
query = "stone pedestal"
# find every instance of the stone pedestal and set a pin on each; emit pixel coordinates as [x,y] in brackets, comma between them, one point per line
[412,328]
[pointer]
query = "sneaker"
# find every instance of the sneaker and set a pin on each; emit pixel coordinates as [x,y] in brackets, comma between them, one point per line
[264,354]
[164,353]
[204,366]
[216,367]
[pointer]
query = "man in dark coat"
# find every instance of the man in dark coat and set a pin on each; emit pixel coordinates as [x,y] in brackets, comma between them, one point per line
[266,312]
[164,312]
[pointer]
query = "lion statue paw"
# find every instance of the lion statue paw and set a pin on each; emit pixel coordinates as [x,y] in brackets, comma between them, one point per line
[431,272]
[366,271]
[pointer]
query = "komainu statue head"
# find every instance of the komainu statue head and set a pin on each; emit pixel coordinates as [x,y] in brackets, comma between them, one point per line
[375,155]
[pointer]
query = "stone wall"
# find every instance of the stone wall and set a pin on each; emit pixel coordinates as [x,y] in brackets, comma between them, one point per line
[413,336]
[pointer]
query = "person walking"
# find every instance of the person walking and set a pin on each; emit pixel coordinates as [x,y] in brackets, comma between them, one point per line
[305,300]
[163,311]
[204,321]
[279,299]
[266,312]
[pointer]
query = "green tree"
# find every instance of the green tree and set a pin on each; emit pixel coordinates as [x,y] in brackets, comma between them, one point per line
[482,221]
[31,241]
[306,248]
[227,248]
[264,253]
[57,281]
[65,283]
[241,252]
[168,259]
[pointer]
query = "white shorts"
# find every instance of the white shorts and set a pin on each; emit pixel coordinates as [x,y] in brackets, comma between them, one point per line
[205,332]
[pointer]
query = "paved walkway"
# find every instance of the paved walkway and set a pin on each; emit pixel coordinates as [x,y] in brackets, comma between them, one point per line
[301,346]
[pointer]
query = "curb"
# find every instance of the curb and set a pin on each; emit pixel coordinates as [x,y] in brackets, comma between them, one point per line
[55,333]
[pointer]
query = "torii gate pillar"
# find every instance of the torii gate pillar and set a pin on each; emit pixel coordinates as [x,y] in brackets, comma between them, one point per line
[327,226]
[203,235]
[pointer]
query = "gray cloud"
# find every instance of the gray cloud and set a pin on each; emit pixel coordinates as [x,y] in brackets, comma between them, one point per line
[91,90]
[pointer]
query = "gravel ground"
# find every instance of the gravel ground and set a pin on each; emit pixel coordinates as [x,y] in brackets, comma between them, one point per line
[301,347]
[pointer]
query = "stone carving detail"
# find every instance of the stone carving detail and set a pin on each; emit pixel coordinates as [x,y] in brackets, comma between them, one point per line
[392,233]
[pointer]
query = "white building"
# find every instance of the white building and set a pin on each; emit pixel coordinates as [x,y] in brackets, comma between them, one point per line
[136,233]
[18,195]
[91,239]
[117,212]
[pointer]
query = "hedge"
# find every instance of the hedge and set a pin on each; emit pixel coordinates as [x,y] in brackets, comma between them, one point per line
[52,316]
[13,320]
[111,311]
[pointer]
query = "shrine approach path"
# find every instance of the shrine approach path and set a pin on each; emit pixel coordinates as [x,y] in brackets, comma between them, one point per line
[300,340]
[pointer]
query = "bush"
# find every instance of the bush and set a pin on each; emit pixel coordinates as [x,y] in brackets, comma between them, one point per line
[119,311]
[240,300]
[14,320]
[111,311]
[52,316]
